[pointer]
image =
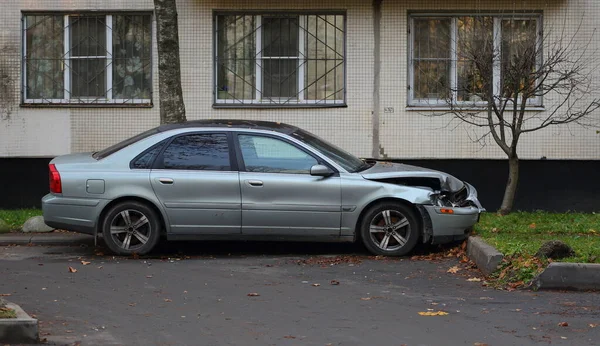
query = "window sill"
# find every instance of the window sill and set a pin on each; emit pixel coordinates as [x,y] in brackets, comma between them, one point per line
[86,105]
[466,108]
[276,106]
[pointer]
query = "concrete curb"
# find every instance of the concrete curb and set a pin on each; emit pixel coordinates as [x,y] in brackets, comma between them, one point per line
[23,329]
[485,256]
[45,239]
[573,276]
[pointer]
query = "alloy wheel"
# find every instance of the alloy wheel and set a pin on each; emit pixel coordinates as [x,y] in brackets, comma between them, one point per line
[130,229]
[389,230]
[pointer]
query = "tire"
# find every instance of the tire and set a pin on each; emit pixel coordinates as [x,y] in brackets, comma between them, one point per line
[131,227]
[390,229]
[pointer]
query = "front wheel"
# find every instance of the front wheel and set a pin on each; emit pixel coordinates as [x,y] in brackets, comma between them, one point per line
[390,229]
[131,227]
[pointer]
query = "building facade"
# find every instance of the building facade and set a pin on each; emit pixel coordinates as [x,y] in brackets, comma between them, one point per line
[371,76]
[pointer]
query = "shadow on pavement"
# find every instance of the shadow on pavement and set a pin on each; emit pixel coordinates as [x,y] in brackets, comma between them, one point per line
[265,248]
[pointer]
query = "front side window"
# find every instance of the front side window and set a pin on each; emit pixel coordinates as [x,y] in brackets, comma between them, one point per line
[87,59]
[465,59]
[280,59]
[197,152]
[271,155]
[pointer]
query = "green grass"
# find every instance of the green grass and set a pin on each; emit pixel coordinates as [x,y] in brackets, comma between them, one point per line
[522,234]
[7,313]
[519,236]
[16,218]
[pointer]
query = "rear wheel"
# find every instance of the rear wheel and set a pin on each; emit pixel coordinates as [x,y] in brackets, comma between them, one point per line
[390,229]
[131,227]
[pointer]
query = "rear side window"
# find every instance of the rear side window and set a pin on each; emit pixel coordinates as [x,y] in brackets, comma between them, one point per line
[146,159]
[198,152]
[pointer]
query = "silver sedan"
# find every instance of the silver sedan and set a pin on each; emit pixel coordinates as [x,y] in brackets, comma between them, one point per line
[253,180]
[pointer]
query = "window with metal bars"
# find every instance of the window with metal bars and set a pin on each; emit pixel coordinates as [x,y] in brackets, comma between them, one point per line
[453,57]
[79,59]
[280,59]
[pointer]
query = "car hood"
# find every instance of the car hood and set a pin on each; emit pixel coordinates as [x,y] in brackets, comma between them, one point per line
[390,170]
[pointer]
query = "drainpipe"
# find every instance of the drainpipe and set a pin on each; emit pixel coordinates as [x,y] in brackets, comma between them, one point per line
[376,76]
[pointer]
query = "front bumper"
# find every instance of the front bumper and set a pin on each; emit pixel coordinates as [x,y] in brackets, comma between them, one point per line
[72,214]
[446,227]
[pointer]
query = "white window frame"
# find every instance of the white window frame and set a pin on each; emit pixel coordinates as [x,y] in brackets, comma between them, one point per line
[259,100]
[108,100]
[497,63]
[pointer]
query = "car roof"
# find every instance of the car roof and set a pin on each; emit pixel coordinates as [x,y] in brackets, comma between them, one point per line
[231,123]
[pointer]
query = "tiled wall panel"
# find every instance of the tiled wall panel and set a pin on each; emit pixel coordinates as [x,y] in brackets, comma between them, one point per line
[403,134]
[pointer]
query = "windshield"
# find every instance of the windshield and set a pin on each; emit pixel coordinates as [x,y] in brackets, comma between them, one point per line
[114,148]
[348,161]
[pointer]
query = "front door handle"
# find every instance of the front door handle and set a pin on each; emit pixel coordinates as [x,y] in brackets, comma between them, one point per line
[255,183]
[165,181]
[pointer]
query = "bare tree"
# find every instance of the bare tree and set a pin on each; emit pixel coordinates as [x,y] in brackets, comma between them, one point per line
[505,72]
[172,108]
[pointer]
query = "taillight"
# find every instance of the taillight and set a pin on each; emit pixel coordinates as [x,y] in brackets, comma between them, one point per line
[55,184]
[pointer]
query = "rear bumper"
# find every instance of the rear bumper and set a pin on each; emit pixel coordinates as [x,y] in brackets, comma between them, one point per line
[72,214]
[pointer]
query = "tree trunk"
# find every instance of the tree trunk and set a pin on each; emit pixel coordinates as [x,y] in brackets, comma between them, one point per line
[511,185]
[172,108]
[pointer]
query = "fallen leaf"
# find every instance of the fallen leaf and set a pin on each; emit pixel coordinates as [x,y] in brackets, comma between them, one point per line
[289,337]
[365,298]
[316,285]
[532,226]
[563,324]
[334,282]
[131,304]
[454,270]
[433,313]
[149,276]
[593,325]
[253,294]
[563,337]
[474,279]
[72,270]
[135,255]
[495,230]
[99,253]
[85,263]
[168,300]
[479,344]
[99,267]
[5,294]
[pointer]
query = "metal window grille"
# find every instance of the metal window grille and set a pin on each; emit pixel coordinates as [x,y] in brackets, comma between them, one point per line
[280,59]
[87,59]
[439,71]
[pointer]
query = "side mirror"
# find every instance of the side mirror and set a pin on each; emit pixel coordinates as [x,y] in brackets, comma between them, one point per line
[321,171]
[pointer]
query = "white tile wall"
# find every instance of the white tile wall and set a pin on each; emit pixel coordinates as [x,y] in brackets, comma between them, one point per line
[404,134]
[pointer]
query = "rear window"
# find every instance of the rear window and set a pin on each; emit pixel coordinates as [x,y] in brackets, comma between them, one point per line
[99,155]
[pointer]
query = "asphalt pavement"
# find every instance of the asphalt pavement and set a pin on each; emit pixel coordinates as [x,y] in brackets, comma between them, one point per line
[236,293]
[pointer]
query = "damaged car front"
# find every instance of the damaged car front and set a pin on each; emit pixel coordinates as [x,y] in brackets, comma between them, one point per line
[451,207]
[390,207]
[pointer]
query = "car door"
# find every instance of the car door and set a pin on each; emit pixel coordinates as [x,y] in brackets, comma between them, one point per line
[279,196]
[197,181]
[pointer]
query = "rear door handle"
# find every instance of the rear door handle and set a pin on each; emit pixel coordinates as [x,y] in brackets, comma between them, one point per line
[255,183]
[165,181]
